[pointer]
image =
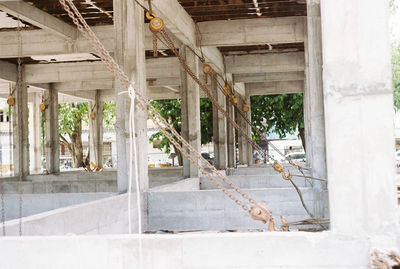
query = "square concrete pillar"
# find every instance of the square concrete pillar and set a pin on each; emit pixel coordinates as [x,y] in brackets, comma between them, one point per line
[52,145]
[130,55]
[242,141]
[359,114]
[230,129]
[20,128]
[249,130]
[190,107]
[96,130]
[35,133]
[314,119]
[219,129]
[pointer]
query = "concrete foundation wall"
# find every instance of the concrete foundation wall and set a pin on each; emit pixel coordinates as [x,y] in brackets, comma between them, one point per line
[37,203]
[189,184]
[255,182]
[213,210]
[194,251]
[105,216]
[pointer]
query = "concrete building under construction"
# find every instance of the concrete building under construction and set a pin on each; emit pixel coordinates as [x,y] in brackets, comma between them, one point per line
[338,209]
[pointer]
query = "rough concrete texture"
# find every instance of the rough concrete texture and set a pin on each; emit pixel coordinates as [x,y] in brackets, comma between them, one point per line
[194,251]
[213,210]
[189,184]
[262,169]
[38,203]
[255,182]
[61,186]
[105,216]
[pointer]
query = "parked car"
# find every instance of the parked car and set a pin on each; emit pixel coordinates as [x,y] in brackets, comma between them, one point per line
[296,156]
[208,157]
[397,158]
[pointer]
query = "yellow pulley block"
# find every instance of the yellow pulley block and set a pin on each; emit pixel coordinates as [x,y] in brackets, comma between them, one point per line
[245,108]
[207,68]
[227,90]
[151,15]
[278,167]
[43,106]
[92,115]
[235,100]
[156,25]
[11,100]
[260,212]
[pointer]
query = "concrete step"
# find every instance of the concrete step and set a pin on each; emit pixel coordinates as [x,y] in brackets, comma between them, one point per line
[213,210]
[255,182]
[264,169]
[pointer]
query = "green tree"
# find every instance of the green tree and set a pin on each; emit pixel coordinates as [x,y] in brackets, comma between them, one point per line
[171,111]
[109,115]
[70,117]
[396,74]
[281,114]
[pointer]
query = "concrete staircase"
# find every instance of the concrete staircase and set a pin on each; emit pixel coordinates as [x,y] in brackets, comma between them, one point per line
[210,209]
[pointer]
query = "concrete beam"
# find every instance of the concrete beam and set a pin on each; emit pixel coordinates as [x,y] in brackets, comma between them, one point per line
[32,42]
[77,95]
[95,71]
[268,77]
[176,19]
[265,63]
[8,71]
[252,32]
[268,88]
[39,18]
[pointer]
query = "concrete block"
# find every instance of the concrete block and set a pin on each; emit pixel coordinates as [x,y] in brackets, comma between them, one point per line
[255,182]
[190,184]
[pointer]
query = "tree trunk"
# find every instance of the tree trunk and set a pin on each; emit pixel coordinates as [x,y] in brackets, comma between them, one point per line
[303,138]
[76,146]
[179,154]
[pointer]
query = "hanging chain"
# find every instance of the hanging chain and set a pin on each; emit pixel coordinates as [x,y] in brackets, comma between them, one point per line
[209,95]
[19,92]
[155,52]
[170,133]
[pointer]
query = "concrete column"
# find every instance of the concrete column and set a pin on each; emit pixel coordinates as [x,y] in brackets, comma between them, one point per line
[36,156]
[242,141]
[230,129]
[190,105]
[130,55]
[52,145]
[96,130]
[20,129]
[314,119]
[359,114]
[219,130]
[249,130]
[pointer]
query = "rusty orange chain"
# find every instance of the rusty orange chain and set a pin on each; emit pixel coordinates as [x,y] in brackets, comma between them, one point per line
[242,132]
[204,88]
[258,211]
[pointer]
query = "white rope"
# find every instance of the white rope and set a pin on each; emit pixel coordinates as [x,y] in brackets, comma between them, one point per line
[133,150]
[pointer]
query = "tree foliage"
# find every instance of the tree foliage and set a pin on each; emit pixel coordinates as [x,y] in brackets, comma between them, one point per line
[109,115]
[396,75]
[171,111]
[281,114]
[70,117]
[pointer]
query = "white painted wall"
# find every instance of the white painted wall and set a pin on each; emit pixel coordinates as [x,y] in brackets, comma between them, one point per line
[194,251]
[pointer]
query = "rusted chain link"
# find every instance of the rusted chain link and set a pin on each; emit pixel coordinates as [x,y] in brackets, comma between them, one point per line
[19,90]
[170,133]
[204,88]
